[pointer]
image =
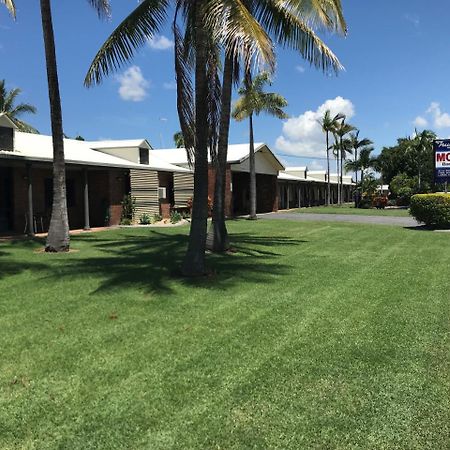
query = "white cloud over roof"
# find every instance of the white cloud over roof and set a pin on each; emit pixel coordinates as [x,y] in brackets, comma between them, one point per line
[303,136]
[133,85]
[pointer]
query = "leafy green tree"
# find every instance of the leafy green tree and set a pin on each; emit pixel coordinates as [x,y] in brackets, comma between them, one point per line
[328,124]
[14,111]
[252,102]
[410,156]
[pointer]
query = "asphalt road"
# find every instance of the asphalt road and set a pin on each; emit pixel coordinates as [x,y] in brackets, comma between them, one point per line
[375,220]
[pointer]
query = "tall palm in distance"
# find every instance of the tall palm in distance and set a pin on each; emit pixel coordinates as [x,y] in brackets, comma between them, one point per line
[252,102]
[356,145]
[328,123]
[9,107]
[341,130]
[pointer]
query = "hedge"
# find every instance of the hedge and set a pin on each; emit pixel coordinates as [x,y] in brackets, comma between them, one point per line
[431,209]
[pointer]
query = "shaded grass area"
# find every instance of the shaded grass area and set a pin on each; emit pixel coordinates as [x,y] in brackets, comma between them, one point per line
[351,210]
[310,336]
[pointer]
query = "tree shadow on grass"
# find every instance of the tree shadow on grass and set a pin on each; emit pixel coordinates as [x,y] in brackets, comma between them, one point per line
[11,265]
[152,262]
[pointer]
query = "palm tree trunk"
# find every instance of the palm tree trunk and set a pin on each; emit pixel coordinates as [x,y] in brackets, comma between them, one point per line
[356,179]
[194,260]
[252,172]
[328,173]
[58,233]
[337,172]
[340,177]
[220,242]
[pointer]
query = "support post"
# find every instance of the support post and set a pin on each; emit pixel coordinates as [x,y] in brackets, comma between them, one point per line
[288,191]
[30,201]
[86,200]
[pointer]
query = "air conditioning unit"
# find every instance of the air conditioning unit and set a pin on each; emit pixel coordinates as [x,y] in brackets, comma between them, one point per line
[162,193]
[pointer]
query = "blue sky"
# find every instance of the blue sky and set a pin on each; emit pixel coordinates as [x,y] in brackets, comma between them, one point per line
[396,58]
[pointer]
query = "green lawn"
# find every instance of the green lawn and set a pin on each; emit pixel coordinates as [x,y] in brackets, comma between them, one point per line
[312,335]
[351,210]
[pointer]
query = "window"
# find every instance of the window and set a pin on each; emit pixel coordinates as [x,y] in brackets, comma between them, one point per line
[6,139]
[143,156]
[70,192]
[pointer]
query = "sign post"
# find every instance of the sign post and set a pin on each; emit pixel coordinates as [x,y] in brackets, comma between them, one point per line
[442,161]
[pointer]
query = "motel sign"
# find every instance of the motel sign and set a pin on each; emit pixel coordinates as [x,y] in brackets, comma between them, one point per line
[441,160]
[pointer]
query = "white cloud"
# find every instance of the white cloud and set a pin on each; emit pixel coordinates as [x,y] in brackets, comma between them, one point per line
[420,122]
[170,86]
[160,43]
[412,18]
[303,136]
[300,69]
[133,85]
[440,119]
[315,165]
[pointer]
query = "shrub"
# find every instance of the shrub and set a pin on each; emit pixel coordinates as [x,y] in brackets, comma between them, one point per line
[145,219]
[128,209]
[431,209]
[175,217]
[156,218]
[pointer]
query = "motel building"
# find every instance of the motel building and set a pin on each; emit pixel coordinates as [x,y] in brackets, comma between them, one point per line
[300,187]
[237,193]
[98,176]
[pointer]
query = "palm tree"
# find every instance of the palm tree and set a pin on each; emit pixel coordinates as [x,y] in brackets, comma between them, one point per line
[356,145]
[366,161]
[178,139]
[207,24]
[329,124]
[13,111]
[340,131]
[288,30]
[254,101]
[58,234]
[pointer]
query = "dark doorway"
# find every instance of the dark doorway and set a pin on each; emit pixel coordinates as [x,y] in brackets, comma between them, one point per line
[241,194]
[6,199]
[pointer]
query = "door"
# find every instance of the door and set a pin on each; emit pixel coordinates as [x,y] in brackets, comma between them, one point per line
[6,199]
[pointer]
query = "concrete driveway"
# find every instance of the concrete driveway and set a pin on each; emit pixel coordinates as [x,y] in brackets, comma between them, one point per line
[311,217]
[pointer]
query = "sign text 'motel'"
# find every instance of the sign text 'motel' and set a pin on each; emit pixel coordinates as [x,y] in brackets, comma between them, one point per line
[441,160]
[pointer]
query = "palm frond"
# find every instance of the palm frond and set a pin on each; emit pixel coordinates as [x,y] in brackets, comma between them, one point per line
[102,7]
[134,31]
[234,26]
[291,30]
[10,6]
[185,92]
[25,127]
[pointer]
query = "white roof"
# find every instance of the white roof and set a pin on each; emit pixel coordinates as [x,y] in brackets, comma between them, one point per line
[125,143]
[5,121]
[283,176]
[237,153]
[295,169]
[38,147]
